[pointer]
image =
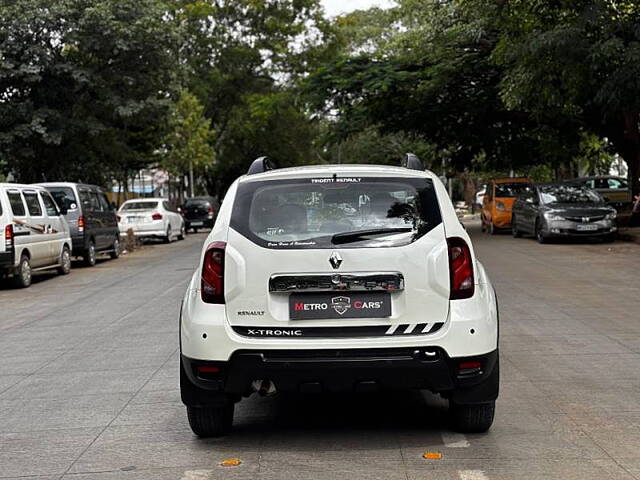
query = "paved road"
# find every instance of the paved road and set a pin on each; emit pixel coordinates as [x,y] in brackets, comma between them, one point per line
[89,390]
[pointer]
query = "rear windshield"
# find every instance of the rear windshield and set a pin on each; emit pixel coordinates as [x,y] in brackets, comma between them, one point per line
[197,203]
[506,190]
[140,206]
[328,212]
[64,197]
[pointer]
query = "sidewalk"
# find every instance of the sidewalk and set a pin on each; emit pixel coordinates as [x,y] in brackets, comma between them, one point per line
[629,234]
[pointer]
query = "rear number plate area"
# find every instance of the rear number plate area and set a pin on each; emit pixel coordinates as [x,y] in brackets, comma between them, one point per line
[309,306]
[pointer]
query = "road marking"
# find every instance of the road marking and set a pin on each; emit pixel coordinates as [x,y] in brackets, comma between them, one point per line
[454,440]
[472,475]
[197,475]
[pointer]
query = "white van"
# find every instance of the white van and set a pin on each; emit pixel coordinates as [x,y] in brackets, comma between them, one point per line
[33,233]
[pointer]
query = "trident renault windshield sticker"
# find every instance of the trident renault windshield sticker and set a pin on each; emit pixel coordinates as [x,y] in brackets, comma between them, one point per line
[337,180]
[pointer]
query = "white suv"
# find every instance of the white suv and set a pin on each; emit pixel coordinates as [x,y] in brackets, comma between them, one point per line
[338,278]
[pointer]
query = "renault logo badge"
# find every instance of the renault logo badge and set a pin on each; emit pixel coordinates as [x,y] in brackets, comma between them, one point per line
[335,260]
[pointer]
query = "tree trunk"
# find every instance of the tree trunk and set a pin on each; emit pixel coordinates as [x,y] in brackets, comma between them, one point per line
[633,163]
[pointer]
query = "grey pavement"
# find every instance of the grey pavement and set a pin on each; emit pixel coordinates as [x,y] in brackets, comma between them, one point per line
[89,382]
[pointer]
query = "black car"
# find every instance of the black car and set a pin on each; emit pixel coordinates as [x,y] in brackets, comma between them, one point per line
[200,212]
[92,219]
[562,210]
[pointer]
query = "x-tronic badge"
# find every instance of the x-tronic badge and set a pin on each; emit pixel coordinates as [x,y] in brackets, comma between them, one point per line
[335,260]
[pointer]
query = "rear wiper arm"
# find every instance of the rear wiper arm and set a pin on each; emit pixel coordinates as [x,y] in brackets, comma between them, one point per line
[347,237]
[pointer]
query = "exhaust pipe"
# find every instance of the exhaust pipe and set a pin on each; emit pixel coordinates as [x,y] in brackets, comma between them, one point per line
[264,388]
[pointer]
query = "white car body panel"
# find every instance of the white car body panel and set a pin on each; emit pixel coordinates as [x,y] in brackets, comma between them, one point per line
[470,325]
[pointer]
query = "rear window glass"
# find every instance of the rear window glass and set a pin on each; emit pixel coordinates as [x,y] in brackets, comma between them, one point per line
[327,212]
[140,206]
[511,189]
[198,203]
[17,207]
[64,197]
[33,204]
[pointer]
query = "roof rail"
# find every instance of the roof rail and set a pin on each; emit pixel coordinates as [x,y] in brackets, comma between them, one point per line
[259,165]
[412,161]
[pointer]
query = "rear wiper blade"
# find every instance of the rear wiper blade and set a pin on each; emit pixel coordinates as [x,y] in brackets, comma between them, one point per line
[347,237]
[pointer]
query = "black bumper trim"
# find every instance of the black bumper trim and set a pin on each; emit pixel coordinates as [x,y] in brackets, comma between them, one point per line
[7,259]
[405,329]
[348,370]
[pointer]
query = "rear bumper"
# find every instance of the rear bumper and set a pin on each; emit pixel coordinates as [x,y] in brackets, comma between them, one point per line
[204,222]
[344,370]
[7,260]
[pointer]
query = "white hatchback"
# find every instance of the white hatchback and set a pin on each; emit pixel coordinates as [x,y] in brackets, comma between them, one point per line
[151,218]
[338,278]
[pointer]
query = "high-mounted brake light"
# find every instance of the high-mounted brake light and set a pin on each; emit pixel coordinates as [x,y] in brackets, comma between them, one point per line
[460,269]
[156,216]
[212,281]
[80,224]
[8,237]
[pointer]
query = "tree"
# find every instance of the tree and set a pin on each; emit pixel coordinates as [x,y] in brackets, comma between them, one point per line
[436,78]
[577,60]
[242,58]
[84,87]
[187,146]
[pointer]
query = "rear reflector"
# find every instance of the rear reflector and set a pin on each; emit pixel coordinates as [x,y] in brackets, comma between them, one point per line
[469,365]
[80,224]
[156,216]
[212,280]
[460,269]
[208,369]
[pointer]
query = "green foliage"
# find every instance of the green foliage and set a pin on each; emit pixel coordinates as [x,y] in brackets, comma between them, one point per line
[188,141]
[84,86]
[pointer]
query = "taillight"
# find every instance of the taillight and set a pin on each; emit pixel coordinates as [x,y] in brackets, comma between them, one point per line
[460,269]
[80,224]
[212,281]
[211,211]
[156,216]
[8,237]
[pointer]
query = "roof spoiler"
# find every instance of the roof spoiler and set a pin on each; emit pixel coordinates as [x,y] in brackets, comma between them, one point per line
[412,162]
[260,165]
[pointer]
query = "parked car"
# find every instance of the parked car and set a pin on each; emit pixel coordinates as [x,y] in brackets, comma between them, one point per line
[615,190]
[294,294]
[151,218]
[561,210]
[35,234]
[199,212]
[92,219]
[498,201]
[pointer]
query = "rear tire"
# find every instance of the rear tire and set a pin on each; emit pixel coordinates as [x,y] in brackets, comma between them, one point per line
[65,262]
[183,233]
[472,418]
[22,277]
[195,230]
[211,421]
[492,228]
[115,253]
[89,257]
[167,239]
